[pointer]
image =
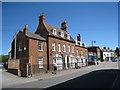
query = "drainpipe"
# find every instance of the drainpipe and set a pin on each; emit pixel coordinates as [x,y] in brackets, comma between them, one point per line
[15,46]
[31,66]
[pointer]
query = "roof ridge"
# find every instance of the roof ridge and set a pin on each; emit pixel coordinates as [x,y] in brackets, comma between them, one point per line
[55,27]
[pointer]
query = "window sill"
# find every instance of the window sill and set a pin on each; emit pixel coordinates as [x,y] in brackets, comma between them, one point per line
[40,50]
[40,67]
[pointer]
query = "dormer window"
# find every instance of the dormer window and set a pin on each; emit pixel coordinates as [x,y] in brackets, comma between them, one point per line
[62,34]
[78,43]
[68,36]
[54,31]
[83,44]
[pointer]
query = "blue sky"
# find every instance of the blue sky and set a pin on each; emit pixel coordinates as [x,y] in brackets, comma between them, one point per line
[93,20]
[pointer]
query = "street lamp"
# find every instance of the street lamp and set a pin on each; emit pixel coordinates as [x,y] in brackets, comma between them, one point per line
[94,51]
[93,42]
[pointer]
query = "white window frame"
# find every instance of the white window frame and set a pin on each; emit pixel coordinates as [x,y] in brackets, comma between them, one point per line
[53,46]
[40,46]
[40,62]
[64,48]
[72,49]
[62,34]
[81,51]
[104,55]
[68,48]
[59,47]
[68,36]
[77,51]
[54,31]
[58,60]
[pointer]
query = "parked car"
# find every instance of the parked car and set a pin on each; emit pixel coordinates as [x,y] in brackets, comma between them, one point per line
[5,65]
[118,59]
[91,62]
[114,59]
[1,65]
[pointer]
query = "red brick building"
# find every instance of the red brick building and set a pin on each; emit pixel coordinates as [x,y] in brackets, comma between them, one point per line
[36,53]
[94,54]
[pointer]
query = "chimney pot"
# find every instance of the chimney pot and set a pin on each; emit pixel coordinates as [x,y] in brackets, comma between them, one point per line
[26,26]
[64,26]
[26,29]
[42,18]
[78,37]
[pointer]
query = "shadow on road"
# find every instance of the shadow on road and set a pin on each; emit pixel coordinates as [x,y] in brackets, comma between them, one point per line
[109,78]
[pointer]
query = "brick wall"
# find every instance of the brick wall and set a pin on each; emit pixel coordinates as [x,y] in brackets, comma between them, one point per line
[62,42]
[34,54]
[41,30]
[14,64]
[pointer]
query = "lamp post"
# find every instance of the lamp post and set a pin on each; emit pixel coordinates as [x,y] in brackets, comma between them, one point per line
[93,42]
[93,50]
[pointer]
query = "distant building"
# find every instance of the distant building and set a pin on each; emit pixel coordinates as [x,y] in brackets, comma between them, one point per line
[117,52]
[107,54]
[94,53]
[33,53]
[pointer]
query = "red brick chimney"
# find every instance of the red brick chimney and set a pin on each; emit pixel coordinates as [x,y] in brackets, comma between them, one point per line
[26,29]
[64,26]
[42,18]
[78,37]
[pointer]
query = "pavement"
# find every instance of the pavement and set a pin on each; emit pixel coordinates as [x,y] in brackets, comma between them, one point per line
[12,80]
[6,82]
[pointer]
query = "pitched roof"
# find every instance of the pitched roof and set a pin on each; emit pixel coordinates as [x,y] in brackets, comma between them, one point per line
[35,36]
[50,28]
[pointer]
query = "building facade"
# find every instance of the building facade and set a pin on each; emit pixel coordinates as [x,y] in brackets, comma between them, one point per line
[117,52]
[37,52]
[94,54]
[107,54]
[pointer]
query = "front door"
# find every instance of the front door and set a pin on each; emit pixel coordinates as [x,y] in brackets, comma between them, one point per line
[68,64]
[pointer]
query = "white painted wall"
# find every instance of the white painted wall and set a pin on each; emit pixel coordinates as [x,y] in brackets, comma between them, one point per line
[107,54]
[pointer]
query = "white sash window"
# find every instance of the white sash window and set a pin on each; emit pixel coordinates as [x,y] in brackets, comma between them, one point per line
[40,62]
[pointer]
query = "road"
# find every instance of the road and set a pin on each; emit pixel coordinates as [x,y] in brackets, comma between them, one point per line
[103,75]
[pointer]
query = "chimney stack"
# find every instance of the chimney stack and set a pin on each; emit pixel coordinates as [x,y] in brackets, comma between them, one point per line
[64,26]
[42,18]
[26,29]
[78,37]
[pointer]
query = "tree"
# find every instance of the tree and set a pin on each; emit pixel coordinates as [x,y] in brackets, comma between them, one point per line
[3,58]
[0,58]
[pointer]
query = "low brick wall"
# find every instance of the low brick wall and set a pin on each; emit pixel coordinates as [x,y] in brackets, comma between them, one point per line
[14,71]
[14,66]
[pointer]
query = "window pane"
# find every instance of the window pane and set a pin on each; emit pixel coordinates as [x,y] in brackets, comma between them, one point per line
[53,46]
[59,48]
[40,62]
[40,46]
